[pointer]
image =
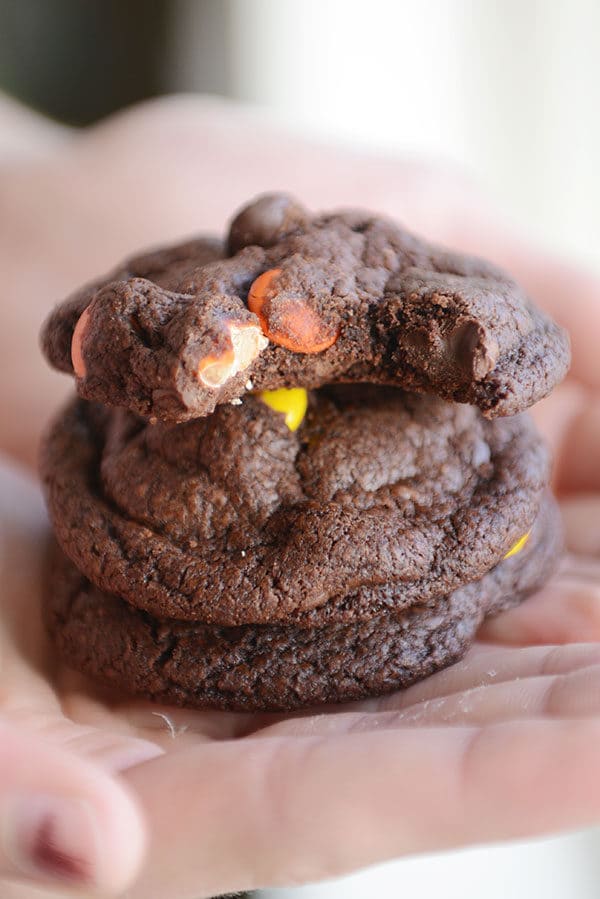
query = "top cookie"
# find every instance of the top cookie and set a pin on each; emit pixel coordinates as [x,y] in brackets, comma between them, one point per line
[300,300]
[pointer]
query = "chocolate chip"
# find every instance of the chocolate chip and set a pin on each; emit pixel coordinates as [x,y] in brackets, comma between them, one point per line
[265,221]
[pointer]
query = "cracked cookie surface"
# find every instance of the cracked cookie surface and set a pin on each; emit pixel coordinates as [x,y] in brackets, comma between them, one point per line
[379,500]
[278,667]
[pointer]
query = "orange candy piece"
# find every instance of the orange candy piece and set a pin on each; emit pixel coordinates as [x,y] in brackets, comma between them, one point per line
[288,321]
[77,359]
[518,546]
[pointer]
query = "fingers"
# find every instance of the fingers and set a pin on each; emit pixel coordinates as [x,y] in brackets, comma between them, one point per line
[555,415]
[492,664]
[26,697]
[581,516]
[572,695]
[309,808]
[579,468]
[565,611]
[570,421]
[107,748]
[63,820]
[24,534]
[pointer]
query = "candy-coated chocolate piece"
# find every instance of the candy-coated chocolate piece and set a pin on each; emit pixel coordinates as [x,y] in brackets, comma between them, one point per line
[76,344]
[518,546]
[292,403]
[287,320]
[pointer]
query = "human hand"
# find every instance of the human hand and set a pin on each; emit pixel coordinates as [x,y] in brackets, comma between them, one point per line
[501,745]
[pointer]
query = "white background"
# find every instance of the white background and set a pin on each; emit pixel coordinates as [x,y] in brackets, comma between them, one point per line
[509,89]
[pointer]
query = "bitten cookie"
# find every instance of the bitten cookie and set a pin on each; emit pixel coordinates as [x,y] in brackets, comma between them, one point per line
[296,300]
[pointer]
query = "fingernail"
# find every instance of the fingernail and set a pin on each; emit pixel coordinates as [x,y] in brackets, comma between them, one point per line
[51,839]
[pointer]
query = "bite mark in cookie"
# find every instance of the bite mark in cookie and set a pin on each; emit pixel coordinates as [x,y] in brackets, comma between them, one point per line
[246,341]
[342,297]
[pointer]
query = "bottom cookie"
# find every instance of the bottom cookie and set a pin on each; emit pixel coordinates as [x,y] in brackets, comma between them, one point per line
[279,668]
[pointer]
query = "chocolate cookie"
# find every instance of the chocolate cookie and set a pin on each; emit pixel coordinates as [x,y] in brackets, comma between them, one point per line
[285,510]
[279,667]
[296,300]
[378,500]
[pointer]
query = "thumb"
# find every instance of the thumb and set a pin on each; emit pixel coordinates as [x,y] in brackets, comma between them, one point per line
[64,821]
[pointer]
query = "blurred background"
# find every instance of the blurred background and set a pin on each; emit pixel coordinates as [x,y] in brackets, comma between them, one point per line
[509,90]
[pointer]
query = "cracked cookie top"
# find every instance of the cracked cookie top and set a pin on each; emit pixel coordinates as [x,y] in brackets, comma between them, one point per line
[378,500]
[296,300]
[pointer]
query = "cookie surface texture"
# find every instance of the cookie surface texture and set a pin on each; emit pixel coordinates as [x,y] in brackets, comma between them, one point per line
[299,300]
[378,499]
[281,668]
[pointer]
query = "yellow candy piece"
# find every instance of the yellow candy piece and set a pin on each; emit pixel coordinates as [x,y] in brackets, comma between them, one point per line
[518,546]
[292,403]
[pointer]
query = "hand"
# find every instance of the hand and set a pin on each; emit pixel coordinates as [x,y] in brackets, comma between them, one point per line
[502,745]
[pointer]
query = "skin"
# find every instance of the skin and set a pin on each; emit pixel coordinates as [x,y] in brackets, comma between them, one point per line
[502,745]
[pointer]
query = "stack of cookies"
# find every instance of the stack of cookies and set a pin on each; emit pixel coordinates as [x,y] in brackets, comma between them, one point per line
[297,470]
